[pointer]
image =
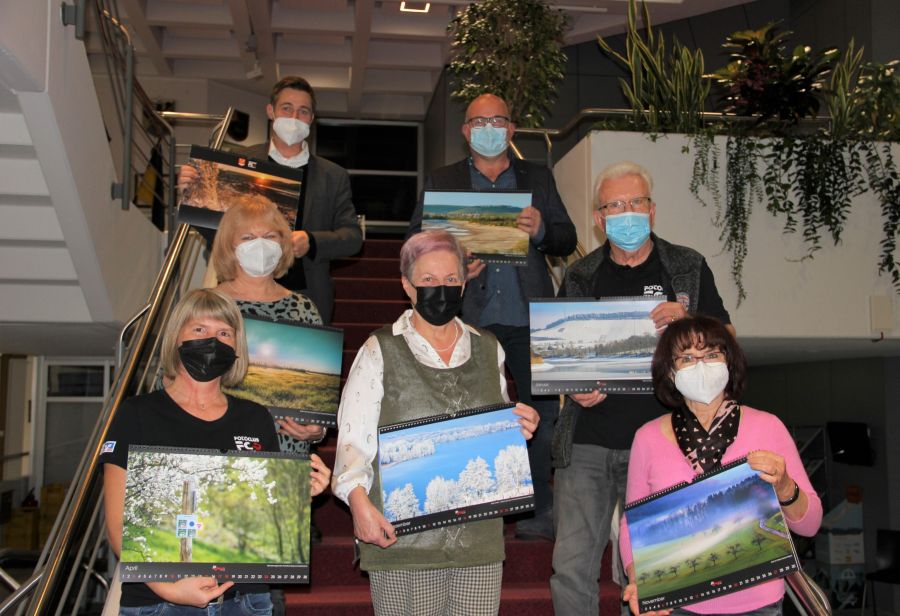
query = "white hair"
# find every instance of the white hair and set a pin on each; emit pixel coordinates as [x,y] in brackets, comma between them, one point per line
[618,170]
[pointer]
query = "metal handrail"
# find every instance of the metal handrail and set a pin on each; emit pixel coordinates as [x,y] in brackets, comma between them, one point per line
[82,506]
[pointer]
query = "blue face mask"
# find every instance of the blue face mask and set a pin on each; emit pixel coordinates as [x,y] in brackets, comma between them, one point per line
[488,140]
[628,230]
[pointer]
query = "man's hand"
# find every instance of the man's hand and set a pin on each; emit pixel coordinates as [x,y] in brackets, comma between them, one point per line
[589,399]
[187,177]
[667,312]
[529,220]
[474,267]
[194,591]
[303,432]
[300,239]
[369,524]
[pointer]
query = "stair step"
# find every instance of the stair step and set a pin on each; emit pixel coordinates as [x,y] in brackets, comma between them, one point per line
[368,288]
[355,334]
[515,600]
[366,268]
[381,248]
[369,310]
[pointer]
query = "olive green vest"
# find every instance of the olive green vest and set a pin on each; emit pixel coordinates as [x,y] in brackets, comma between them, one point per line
[412,391]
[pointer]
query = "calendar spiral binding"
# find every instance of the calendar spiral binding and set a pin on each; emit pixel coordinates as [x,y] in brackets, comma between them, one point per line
[424,421]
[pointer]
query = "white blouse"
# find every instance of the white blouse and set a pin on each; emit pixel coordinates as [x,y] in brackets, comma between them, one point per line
[360,406]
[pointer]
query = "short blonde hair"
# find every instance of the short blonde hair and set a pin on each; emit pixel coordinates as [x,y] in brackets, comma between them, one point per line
[246,210]
[618,170]
[197,304]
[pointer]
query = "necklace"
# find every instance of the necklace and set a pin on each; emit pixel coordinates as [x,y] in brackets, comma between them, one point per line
[455,338]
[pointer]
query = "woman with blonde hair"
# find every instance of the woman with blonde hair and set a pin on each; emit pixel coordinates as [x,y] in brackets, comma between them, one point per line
[252,248]
[203,348]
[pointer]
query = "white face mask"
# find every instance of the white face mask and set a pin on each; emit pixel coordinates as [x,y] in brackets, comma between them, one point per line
[258,257]
[702,382]
[290,130]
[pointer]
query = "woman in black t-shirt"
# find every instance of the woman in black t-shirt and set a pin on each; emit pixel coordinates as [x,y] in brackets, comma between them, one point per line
[203,348]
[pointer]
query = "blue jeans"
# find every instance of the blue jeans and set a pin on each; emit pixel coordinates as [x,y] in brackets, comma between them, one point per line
[255,604]
[773,609]
[585,495]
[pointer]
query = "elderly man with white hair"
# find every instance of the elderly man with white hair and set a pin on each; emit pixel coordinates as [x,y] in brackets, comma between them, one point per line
[594,432]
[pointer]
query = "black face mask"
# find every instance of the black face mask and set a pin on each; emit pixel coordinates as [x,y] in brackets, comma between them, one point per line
[438,305]
[206,358]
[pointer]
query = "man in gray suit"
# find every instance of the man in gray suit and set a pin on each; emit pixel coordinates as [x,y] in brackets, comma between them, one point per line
[326,226]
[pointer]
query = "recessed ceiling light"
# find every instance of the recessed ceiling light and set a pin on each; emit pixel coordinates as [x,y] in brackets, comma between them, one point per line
[415,7]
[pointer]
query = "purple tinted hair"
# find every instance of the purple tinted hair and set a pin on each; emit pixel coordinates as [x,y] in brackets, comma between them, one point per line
[426,242]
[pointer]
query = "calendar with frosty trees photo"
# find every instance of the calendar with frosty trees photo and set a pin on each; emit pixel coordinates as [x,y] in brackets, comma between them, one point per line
[448,469]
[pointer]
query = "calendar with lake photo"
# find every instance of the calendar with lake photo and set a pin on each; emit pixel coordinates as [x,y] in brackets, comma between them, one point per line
[451,469]
[579,345]
[484,221]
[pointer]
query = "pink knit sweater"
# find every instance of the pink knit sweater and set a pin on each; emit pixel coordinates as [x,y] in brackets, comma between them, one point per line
[657,463]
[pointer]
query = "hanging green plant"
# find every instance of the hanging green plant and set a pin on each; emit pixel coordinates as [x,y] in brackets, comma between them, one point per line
[511,48]
[742,187]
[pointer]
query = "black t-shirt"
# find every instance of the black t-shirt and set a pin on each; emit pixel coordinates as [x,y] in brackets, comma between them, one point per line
[155,419]
[613,422]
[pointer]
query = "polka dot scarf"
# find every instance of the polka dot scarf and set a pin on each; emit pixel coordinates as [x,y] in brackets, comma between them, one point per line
[704,449]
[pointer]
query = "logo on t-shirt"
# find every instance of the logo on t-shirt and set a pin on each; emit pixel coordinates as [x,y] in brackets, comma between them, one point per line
[652,290]
[108,447]
[247,443]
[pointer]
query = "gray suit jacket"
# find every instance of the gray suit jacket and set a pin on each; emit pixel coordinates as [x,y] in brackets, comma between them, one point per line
[559,232]
[329,217]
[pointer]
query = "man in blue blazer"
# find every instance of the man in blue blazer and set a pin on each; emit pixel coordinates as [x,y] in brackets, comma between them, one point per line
[496,296]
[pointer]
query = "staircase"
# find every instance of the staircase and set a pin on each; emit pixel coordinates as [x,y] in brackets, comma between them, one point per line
[368,295]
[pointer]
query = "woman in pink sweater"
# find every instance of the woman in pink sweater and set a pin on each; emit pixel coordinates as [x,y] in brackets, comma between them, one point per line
[699,370]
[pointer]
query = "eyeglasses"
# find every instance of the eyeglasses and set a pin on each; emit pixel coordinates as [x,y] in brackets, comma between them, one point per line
[495,121]
[636,204]
[687,360]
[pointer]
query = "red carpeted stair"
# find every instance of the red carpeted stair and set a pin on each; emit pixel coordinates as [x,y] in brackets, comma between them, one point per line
[368,295]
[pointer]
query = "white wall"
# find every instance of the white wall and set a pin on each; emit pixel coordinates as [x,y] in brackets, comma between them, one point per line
[825,297]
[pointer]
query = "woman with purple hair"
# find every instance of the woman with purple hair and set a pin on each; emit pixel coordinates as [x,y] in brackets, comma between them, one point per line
[425,363]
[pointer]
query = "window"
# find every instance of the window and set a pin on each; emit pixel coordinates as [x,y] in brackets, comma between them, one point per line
[384,160]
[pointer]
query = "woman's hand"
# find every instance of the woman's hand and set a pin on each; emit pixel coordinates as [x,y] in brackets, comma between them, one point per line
[589,399]
[667,312]
[630,596]
[772,470]
[368,523]
[303,432]
[194,591]
[528,419]
[320,476]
